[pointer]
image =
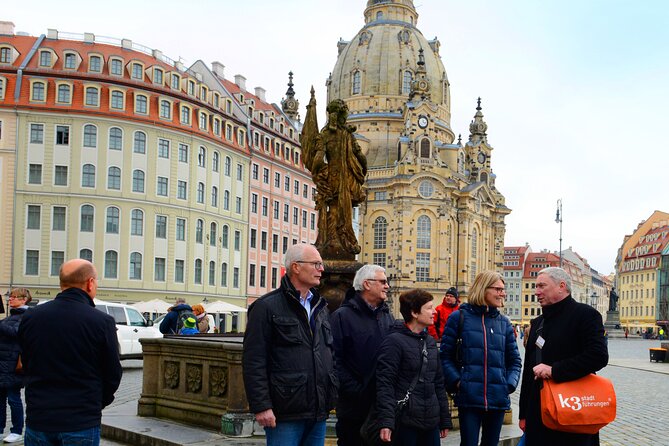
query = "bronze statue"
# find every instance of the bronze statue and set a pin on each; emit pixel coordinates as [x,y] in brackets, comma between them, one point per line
[338,168]
[613,300]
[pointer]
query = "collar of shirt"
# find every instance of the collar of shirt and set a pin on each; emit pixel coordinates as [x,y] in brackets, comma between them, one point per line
[306,303]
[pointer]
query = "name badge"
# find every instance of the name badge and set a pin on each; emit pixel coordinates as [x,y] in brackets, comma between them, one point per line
[540,342]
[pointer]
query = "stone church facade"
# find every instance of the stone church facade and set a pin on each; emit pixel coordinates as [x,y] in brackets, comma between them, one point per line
[433,216]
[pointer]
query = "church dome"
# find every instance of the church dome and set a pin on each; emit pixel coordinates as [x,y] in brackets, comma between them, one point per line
[382,60]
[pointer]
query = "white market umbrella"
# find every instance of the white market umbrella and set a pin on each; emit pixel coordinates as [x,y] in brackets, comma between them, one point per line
[219,306]
[152,306]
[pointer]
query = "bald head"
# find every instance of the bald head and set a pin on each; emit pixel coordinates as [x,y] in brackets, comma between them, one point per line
[79,273]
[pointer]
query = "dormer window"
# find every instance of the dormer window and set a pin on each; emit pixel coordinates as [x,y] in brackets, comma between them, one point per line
[261,118]
[191,88]
[228,106]
[44,59]
[217,98]
[176,81]
[203,93]
[157,76]
[95,64]
[203,121]
[116,67]
[38,92]
[5,55]
[137,71]
[251,112]
[241,98]
[70,61]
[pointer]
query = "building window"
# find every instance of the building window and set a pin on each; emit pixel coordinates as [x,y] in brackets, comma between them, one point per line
[165,109]
[58,219]
[115,138]
[159,269]
[70,61]
[228,162]
[113,215]
[407,78]
[92,96]
[238,241]
[422,266]
[35,174]
[190,87]
[139,142]
[161,226]
[62,135]
[141,104]
[157,76]
[38,91]
[185,115]
[313,221]
[116,67]
[235,277]
[423,233]
[202,157]
[380,228]
[32,262]
[225,231]
[114,178]
[181,229]
[138,181]
[265,175]
[86,254]
[200,193]
[137,71]
[224,274]
[163,148]
[179,271]
[95,64]
[137,222]
[212,273]
[199,231]
[87,217]
[44,58]
[252,275]
[90,135]
[214,196]
[356,83]
[162,187]
[183,153]
[34,217]
[64,94]
[117,99]
[197,277]
[238,205]
[379,259]
[36,133]
[240,172]
[182,187]
[253,237]
[176,81]
[287,183]
[286,210]
[88,175]
[226,200]
[212,234]
[264,206]
[263,240]
[475,236]
[203,121]
[276,209]
[425,148]
[254,203]
[5,55]
[228,132]
[135,266]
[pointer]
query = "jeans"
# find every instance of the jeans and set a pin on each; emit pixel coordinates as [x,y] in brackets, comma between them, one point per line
[410,436]
[296,433]
[471,421]
[13,396]
[86,437]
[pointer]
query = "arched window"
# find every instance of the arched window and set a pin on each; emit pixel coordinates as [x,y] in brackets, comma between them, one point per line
[135,266]
[114,178]
[407,78]
[226,200]
[461,163]
[115,138]
[379,15]
[113,214]
[139,143]
[92,96]
[224,274]
[214,196]
[355,88]
[212,234]
[138,181]
[475,241]
[90,135]
[380,228]
[87,218]
[423,232]
[225,232]
[202,157]
[111,265]
[228,163]
[198,271]
[215,161]
[88,175]
[212,273]
[86,254]
[200,192]
[425,148]
[484,177]
[137,222]
[199,229]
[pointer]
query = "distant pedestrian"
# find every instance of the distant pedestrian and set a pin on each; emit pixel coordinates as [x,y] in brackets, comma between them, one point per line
[189,327]
[202,318]
[70,360]
[11,366]
[443,310]
[627,332]
[170,323]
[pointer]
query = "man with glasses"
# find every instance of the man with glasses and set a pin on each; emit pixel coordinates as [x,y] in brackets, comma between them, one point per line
[358,327]
[287,359]
[70,361]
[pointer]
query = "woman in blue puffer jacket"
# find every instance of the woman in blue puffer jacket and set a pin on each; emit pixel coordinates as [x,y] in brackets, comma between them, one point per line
[489,369]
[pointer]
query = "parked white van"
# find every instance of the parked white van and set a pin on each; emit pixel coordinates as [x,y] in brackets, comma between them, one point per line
[130,328]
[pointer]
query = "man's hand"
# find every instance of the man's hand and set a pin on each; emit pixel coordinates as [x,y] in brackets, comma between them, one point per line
[443,433]
[385,434]
[266,418]
[542,371]
[521,424]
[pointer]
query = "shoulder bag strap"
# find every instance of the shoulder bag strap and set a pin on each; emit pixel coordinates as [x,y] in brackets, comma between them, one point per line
[419,376]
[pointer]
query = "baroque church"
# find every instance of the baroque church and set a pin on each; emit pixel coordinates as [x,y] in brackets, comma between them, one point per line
[433,216]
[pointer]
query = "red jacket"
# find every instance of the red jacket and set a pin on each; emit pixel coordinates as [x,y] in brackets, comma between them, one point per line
[440,317]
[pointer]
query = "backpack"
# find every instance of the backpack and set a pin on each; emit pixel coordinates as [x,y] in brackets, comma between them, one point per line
[182,315]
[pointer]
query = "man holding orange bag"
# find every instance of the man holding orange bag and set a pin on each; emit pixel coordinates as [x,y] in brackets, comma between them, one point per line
[565,343]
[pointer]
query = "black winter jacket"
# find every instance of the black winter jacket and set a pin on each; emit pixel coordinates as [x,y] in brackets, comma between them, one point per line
[357,331]
[398,363]
[287,360]
[70,362]
[574,346]
[491,362]
[10,349]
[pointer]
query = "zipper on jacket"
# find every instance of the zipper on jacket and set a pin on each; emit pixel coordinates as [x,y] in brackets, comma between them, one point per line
[485,363]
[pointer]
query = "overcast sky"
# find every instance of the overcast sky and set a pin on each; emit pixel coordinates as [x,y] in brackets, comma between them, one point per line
[574,91]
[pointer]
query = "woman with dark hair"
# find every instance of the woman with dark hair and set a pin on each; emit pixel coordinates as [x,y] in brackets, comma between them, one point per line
[485,368]
[408,369]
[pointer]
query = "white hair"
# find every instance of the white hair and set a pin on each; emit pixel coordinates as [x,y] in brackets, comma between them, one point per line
[293,254]
[366,272]
[558,275]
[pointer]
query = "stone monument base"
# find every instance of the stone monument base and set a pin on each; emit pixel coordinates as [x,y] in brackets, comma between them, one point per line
[612,325]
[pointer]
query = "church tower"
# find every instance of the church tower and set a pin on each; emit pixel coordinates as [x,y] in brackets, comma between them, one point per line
[433,217]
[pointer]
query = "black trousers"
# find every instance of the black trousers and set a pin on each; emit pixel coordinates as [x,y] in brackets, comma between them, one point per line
[348,432]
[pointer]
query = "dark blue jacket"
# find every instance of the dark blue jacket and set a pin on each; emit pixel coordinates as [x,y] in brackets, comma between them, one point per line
[491,369]
[10,349]
[169,322]
[357,331]
[70,362]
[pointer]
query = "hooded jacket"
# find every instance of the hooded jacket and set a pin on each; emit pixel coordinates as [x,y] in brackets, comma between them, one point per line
[491,362]
[287,359]
[399,361]
[357,331]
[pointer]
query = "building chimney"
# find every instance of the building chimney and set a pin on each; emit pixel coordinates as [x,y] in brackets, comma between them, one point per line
[7,28]
[260,92]
[240,81]
[218,69]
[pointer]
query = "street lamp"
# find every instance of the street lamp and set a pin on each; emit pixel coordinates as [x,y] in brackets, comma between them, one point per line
[558,219]
[593,300]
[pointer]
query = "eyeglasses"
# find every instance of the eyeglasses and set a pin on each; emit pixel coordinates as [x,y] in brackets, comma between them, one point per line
[317,265]
[17,297]
[381,281]
[499,289]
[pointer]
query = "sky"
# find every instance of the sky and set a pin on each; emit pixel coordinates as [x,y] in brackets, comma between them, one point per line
[574,91]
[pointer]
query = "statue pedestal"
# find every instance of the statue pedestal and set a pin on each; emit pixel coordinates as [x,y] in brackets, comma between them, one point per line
[336,281]
[612,325]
